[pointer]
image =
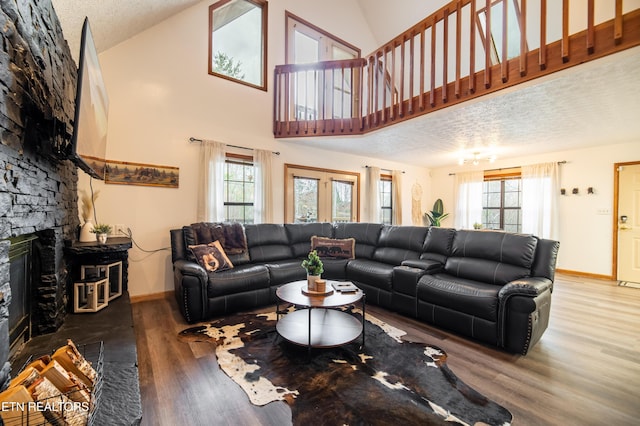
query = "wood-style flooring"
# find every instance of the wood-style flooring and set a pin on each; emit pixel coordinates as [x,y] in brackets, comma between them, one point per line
[584,371]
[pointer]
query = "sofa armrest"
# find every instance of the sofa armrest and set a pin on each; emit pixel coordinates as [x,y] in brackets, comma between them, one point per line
[429,266]
[190,282]
[532,286]
[187,267]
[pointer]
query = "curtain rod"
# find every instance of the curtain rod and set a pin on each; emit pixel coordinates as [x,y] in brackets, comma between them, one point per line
[192,140]
[386,170]
[507,168]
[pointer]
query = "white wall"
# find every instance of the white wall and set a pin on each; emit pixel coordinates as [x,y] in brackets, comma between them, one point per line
[586,236]
[160,94]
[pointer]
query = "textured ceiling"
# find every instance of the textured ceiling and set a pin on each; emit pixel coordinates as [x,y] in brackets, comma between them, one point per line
[113,21]
[592,104]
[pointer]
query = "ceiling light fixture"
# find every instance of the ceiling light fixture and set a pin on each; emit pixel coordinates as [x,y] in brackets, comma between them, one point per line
[476,158]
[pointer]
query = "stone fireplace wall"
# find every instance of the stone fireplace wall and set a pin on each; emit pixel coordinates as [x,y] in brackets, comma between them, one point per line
[38,186]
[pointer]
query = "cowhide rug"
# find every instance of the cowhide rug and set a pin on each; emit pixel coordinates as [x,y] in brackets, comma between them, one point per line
[389,381]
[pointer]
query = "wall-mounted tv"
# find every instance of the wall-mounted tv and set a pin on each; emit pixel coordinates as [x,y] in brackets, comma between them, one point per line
[89,142]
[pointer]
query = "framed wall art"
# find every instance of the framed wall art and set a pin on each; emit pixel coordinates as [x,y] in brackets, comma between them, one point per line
[127,173]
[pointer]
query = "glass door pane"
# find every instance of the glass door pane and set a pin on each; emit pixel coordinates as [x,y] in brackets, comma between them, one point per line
[305,199]
[341,201]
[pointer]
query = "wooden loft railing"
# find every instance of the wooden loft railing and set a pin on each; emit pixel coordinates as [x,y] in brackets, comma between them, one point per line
[441,61]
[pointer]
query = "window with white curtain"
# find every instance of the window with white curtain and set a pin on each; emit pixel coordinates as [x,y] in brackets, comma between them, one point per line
[239,189]
[386,199]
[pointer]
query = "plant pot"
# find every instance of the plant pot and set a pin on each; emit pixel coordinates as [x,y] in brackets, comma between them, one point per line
[311,282]
[102,238]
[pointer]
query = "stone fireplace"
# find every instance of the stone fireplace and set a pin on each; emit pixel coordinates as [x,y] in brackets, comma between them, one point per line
[38,185]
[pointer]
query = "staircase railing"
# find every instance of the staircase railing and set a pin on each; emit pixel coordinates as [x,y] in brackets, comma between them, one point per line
[442,61]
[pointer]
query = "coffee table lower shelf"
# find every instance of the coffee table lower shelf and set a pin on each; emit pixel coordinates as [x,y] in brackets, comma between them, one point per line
[319,328]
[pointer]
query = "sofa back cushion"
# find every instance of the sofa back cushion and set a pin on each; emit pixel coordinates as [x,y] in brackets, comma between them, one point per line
[398,243]
[491,257]
[300,234]
[438,244]
[365,234]
[230,234]
[267,242]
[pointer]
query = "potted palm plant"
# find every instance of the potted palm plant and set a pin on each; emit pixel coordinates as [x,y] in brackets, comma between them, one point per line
[435,216]
[101,230]
[314,267]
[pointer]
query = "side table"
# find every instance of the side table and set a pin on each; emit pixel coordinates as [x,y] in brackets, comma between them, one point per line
[93,261]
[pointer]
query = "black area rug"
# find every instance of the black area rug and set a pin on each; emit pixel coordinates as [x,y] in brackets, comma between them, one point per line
[388,382]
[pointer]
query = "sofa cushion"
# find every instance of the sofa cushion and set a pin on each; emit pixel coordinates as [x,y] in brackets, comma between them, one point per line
[398,243]
[285,271]
[211,257]
[371,272]
[334,248]
[365,234]
[515,249]
[474,298]
[299,235]
[230,234]
[267,242]
[240,279]
[437,246]
[491,257]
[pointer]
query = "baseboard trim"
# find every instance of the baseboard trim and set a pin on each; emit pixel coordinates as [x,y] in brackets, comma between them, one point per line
[585,274]
[155,296]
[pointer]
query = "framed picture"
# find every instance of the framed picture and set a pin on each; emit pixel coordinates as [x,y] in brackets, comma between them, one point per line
[126,173]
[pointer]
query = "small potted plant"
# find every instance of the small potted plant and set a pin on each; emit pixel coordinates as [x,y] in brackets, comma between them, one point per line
[101,230]
[313,265]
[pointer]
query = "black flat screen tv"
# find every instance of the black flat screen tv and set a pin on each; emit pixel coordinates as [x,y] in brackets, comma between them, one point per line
[89,141]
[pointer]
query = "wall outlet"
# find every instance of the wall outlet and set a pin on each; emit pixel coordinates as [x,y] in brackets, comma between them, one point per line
[119,230]
[604,211]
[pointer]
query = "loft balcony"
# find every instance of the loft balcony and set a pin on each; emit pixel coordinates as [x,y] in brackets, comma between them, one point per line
[442,61]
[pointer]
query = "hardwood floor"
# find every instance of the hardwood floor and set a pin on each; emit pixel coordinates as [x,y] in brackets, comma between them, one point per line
[584,371]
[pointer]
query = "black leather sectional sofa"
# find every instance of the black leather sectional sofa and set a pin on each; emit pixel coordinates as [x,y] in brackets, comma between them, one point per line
[492,286]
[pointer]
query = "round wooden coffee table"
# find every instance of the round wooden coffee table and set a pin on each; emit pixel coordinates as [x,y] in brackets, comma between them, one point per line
[317,322]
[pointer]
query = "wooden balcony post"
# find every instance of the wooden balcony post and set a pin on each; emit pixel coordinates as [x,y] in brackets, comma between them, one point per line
[445,54]
[422,65]
[458,46]
[590,26]
[504,63]
[542,53]
[472,47]
[402,73]
[617,26]
[523,38]
[565,30]
[411,73]
[487,46]
[432,91]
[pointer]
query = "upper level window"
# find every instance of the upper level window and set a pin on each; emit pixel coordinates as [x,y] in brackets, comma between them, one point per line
[497,36]
[238,41]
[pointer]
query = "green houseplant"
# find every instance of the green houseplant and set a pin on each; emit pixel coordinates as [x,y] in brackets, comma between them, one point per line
[314,267]
[435,216]
[101,230]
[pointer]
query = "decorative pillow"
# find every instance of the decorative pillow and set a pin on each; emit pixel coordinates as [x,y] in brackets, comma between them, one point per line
[334,248]
[211,256]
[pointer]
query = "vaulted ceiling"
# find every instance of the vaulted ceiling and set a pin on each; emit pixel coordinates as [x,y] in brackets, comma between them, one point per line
[593,104]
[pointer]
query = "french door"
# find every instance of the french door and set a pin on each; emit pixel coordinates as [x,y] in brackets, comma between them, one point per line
[321,195]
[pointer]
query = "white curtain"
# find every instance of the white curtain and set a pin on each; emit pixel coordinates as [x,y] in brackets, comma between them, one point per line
[211,182]
[396,197]
[263,199]
[539,200]
[468,195]
[373,195]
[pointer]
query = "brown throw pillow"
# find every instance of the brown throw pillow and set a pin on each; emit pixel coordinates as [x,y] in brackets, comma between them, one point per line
[334,248]
[211,257]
